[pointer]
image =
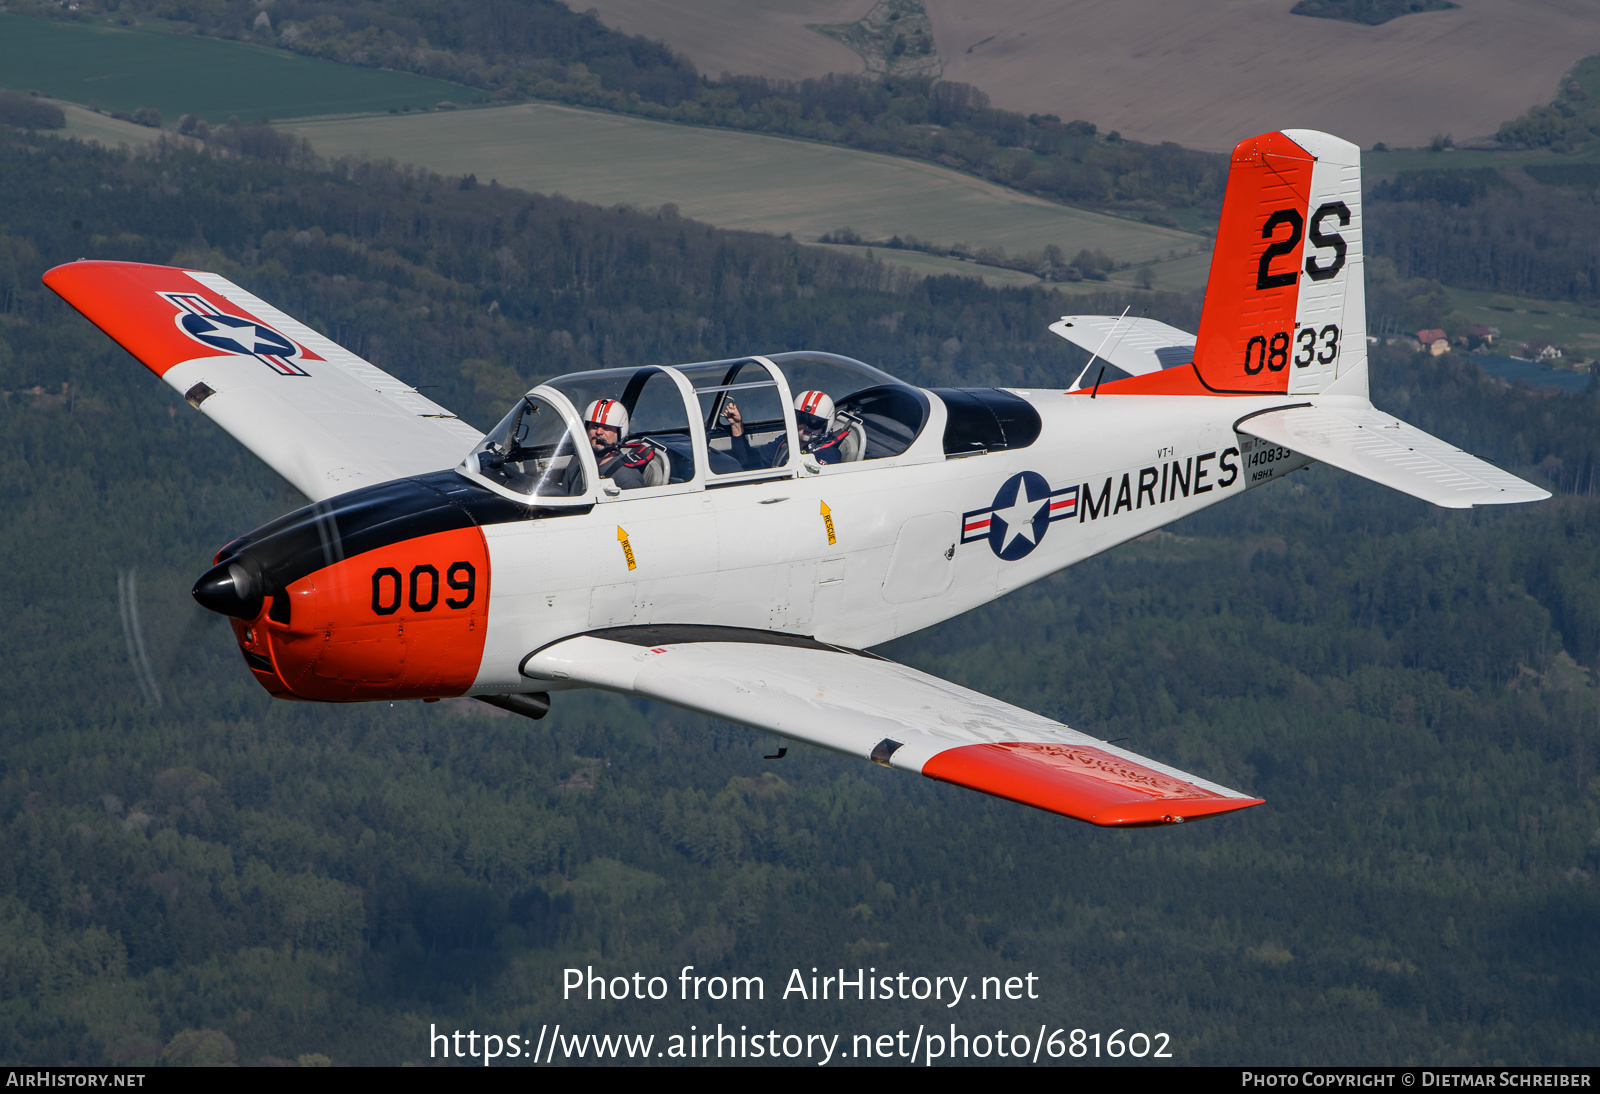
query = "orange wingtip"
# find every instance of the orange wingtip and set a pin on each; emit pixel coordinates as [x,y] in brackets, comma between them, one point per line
[1081,782]
[145,308]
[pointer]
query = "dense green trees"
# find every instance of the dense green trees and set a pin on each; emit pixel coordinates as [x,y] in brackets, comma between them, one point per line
[1371,12]
[1531,233]
[27,112]
[225,875]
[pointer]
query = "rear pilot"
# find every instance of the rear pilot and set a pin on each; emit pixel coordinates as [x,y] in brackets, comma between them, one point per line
[813,413]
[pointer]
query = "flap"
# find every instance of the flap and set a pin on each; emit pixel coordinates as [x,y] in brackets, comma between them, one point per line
[1135,345]
[313,411]
[1380,447]
[877,710]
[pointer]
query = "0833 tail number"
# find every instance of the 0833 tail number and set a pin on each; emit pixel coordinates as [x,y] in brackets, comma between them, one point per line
[1310,344]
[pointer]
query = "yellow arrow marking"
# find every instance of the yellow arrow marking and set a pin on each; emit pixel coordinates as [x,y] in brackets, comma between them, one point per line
[827,519]
[627,548]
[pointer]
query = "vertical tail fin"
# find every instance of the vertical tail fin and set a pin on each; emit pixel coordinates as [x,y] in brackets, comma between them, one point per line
[1285,308]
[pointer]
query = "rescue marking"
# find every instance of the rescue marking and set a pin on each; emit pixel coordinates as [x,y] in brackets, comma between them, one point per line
[1024,508]
[627,548]
[827,519]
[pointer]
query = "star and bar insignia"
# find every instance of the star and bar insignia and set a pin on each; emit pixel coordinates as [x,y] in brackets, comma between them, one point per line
[1024,508]
[210,326]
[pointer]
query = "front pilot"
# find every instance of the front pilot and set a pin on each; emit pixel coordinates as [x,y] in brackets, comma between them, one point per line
[624,463]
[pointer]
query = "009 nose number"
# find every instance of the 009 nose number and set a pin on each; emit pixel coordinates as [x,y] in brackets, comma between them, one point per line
[421,590]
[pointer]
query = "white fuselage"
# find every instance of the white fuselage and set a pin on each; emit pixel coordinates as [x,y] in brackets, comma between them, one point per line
[758,554]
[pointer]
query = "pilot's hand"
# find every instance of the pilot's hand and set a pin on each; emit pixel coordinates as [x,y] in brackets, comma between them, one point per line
[731,415]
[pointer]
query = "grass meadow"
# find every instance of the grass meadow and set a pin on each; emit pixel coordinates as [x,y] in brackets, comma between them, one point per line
[86,125]
[749,181]
[125,68]
[1520,318]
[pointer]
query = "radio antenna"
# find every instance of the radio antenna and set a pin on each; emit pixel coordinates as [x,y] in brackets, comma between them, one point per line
[1115,327]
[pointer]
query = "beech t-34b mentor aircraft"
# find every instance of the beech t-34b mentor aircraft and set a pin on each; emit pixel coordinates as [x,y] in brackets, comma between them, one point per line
[748,539]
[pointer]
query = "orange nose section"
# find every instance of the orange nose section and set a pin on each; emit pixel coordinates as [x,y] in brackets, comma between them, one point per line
[404,621]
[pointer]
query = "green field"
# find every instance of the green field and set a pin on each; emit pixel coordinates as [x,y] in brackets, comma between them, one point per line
[85,124]
[125,68]
[1520,317]
[748,181]
[926,265]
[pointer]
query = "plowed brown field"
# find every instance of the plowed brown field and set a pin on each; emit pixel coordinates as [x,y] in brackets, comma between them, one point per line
[1201,74]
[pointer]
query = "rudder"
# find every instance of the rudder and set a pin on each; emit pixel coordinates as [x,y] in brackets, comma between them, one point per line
[1285,307]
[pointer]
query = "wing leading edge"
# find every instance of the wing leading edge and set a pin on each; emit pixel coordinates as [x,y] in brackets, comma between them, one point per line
[317,414]
[877,710]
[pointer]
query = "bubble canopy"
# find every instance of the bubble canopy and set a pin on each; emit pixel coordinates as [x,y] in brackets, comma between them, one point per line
[710,423]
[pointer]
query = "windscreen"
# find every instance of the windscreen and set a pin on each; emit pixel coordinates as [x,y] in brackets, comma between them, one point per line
[531,452]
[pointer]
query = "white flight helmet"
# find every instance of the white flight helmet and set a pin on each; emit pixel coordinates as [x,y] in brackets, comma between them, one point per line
[608,412]
[815,403]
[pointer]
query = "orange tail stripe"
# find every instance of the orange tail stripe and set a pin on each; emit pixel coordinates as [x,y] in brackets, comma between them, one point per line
[1250,293]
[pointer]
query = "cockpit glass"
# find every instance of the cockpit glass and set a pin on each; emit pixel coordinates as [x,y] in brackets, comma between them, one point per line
[742,408]
[880,415]
[531,452]
[655,447]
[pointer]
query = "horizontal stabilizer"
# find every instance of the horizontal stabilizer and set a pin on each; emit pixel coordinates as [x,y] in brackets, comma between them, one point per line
[1136,346]
[877,710]
[1380,447]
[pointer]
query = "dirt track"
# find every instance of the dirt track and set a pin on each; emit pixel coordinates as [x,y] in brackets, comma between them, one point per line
[1201,74]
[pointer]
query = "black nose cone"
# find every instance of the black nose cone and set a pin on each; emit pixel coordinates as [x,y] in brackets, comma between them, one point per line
[232,587]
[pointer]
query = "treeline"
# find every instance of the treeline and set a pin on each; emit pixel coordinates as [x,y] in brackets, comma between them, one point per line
[29,112]
[1569,121]
[1371,12]
[199,873]
[1532,233]
[1049,264]
[514,49]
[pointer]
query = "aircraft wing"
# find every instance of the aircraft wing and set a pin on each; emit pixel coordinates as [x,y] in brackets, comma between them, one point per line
[1135,345]
[1378,446]
[870,707]
[313,411]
